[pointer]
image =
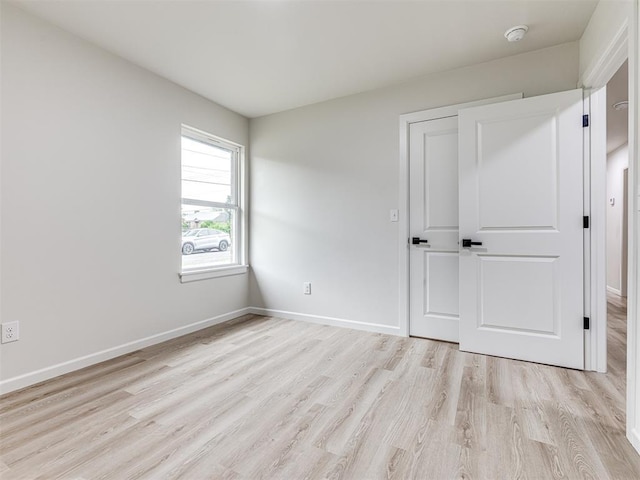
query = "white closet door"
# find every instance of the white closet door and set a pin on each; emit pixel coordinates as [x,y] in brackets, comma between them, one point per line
[521,200]
[433,165]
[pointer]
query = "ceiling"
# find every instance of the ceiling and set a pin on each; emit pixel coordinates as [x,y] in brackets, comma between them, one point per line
[260,57]
[617,120]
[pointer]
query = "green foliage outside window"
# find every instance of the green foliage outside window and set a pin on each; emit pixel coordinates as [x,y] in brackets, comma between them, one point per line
[223,226]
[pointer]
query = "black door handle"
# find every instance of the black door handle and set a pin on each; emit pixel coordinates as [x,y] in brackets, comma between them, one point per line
[466,243]
[417,241]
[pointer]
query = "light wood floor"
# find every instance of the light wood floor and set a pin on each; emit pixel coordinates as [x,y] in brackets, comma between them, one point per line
[276,399]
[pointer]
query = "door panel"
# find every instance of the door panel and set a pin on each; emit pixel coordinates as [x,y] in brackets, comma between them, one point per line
[441,175]
[507,283]
[433,166]
[529,199]
[520,184]
[441,292]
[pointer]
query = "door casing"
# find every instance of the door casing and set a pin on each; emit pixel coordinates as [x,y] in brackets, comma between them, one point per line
[625,44]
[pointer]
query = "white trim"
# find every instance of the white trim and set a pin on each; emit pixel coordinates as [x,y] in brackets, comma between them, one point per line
[46,373]
[625,44]
[242,212]
[239,205]
[332,321]
[196,275]
[595,238]
[634,438]
[197,134]
[607,64]
[615,291]
[634,202]
[403,223]
[590,341]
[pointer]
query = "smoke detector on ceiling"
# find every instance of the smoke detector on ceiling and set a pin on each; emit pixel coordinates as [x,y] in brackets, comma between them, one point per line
[621,105]
[515,34]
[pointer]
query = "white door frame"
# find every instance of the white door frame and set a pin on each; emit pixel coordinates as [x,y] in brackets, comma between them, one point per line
[595,180]
[623,45]
[633,434]
[403,228]
[594,80]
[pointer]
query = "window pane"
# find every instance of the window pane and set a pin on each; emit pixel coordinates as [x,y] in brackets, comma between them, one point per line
[206,172]
[208,237]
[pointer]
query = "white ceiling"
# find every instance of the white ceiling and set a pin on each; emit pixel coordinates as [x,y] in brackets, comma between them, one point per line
[617,120]
[260,57]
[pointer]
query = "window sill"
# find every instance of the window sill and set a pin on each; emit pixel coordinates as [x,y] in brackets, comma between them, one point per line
[196,275]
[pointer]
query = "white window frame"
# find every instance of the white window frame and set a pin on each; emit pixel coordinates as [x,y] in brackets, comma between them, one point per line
[238,194]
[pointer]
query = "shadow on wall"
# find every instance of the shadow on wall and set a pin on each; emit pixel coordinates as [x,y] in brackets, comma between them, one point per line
[256,299]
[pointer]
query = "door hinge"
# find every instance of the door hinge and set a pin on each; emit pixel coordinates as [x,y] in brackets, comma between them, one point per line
[585,221]
[586,323]
[585,120]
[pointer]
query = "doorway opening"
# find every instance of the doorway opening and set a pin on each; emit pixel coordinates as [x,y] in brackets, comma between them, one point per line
[616,225]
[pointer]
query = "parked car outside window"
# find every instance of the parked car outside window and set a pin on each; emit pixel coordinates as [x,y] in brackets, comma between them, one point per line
[204,239]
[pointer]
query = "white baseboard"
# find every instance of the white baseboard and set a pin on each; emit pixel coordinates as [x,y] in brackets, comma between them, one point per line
[31,378]
[634,438]
[614,290]
[335,322]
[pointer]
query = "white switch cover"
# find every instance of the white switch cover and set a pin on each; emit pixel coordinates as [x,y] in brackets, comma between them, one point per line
[393,215]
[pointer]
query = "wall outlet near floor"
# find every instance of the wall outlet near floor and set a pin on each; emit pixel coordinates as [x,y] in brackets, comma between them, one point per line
[10,332]
[306,288]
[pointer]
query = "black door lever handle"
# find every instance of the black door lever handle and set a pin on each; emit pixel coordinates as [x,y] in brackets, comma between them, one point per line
[467,243]
[417,241]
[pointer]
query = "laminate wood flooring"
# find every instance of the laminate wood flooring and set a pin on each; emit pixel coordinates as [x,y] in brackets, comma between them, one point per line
[263,397]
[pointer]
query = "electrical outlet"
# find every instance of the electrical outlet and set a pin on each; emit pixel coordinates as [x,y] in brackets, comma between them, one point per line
[10,332]
[306,288]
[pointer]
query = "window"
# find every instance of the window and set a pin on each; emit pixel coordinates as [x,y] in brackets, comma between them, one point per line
[212,216]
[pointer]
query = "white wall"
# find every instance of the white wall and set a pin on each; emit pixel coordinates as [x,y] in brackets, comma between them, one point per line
[90,199]
[617,161]
[324,177]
